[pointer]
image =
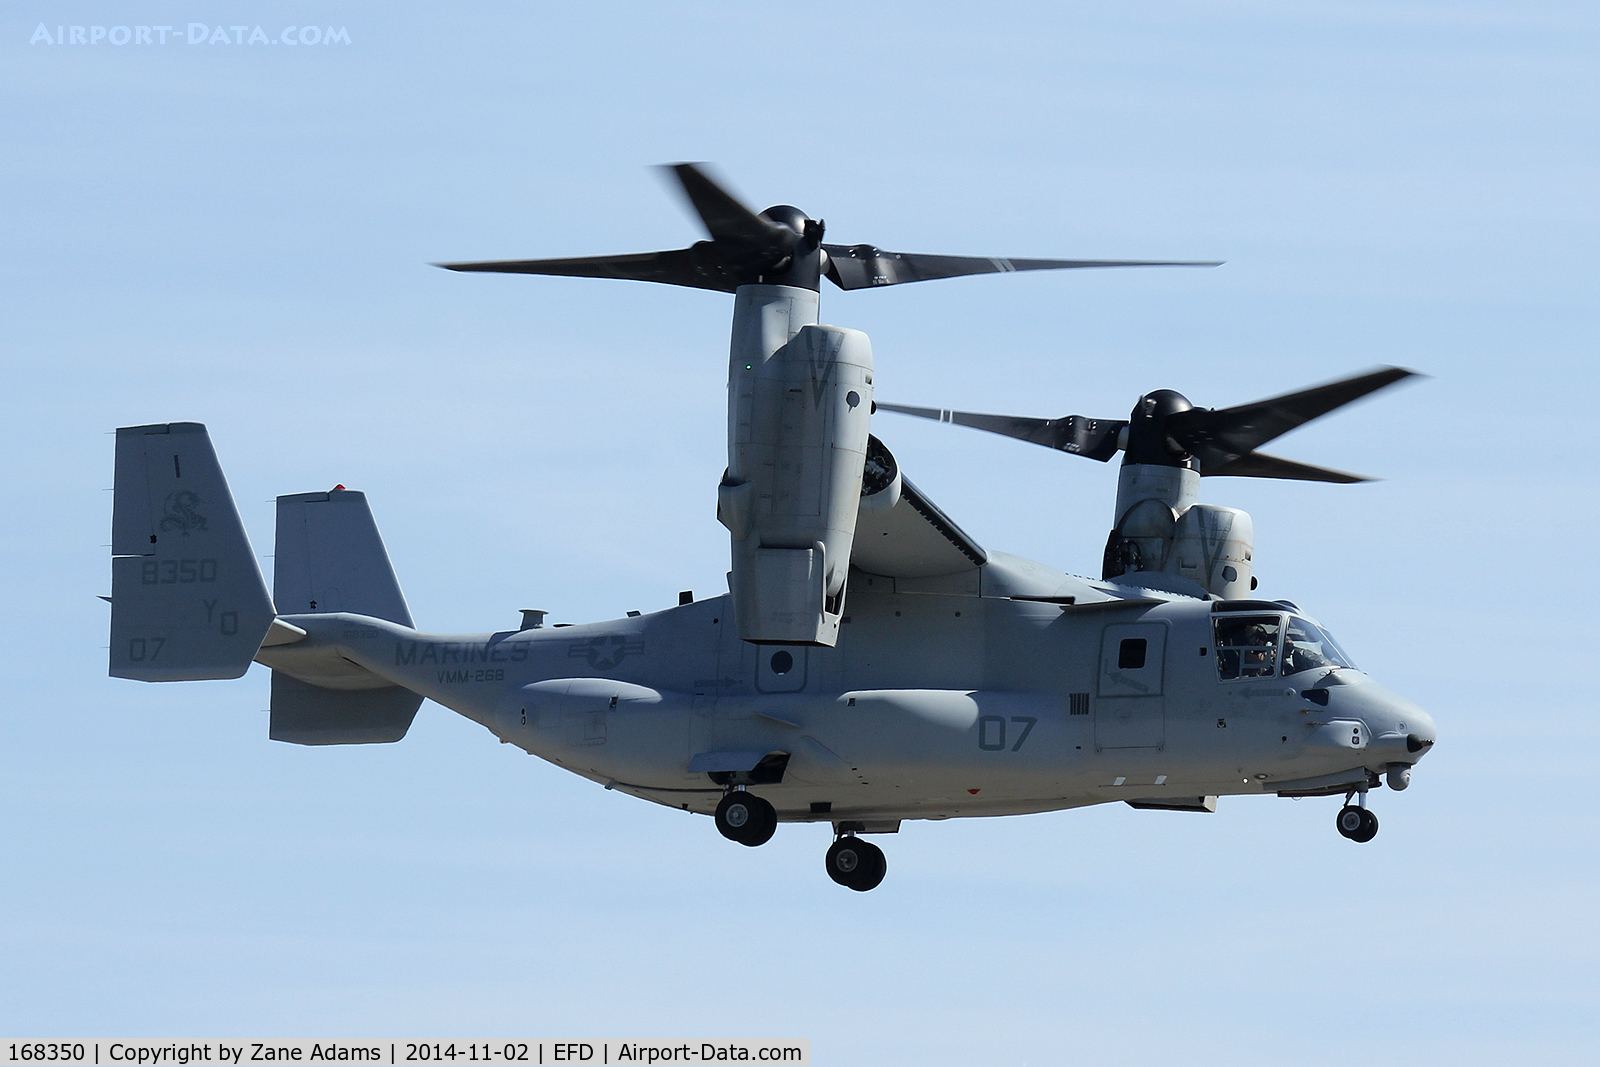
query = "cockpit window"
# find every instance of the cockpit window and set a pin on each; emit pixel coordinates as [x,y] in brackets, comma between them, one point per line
[1247,646]
[1307,647]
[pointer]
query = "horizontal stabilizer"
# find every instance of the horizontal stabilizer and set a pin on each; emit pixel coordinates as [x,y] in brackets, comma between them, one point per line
[187,597]
[306,714]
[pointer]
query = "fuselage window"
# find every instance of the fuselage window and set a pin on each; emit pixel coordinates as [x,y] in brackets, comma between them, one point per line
[1130,654]
[1306,647]
[1247,646]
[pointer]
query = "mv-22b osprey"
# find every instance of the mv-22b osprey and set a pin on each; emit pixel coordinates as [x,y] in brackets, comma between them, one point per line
[871,662]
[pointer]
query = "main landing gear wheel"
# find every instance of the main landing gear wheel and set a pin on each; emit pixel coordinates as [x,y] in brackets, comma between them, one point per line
[855,864]
[1358,824]
[746,818]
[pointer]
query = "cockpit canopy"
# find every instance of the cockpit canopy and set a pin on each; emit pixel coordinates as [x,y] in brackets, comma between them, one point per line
[1257,646]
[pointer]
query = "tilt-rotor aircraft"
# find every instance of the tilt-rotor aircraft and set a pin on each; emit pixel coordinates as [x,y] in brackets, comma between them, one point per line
[871,662]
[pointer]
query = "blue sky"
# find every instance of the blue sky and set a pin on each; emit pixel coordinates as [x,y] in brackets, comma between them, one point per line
[239,234]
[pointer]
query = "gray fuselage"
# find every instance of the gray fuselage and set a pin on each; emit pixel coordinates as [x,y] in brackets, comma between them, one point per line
[932,705]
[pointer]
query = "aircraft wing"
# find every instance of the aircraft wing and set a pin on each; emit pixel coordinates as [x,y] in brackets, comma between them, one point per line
[912,539]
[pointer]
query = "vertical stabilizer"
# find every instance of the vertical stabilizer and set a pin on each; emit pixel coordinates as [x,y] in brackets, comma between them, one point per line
[307,714]
[187,597]
[330,558]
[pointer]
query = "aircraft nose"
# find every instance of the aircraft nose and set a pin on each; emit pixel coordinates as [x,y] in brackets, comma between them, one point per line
[1402,732]
[1419,729]
[1416,727]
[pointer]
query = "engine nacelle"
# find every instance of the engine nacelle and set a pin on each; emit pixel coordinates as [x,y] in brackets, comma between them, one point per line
[797,443]
[1214,546]
[1162,534]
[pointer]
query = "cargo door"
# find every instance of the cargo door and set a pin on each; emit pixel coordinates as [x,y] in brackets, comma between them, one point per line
[1129,709]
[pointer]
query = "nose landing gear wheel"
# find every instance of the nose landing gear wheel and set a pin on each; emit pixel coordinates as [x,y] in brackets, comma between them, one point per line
[1369,827]
[855,864]
[1358,824]
[746,818]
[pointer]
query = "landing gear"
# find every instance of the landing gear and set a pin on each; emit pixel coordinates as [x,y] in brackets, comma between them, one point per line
[1356,822]
[855,864]
[746,818]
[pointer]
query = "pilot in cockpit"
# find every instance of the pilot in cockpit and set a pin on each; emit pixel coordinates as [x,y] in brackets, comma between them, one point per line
[1247,647]
[1257,658]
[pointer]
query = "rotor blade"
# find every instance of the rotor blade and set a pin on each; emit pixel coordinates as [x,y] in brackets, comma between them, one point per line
[1219,437]
[1094,438]
[1261,465]
[864,266]
[725,218]
[701,266]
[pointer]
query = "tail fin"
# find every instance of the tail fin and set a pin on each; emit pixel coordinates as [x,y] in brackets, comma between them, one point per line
[187,597]
[307,714]
[330,558]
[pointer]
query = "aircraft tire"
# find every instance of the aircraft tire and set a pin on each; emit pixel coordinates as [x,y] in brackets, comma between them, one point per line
[855,864]
[1350,821]
[1369,828]
[746,818]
